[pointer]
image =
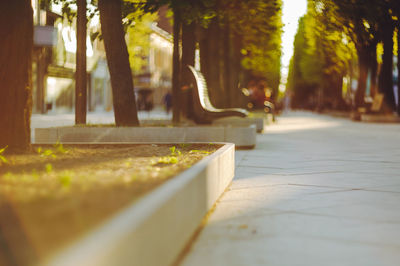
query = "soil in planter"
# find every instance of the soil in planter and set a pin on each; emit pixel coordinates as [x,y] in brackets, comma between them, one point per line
[54,194]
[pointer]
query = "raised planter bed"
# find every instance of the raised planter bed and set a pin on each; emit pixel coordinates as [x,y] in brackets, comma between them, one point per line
[154,230]
[151,230]
[241,136]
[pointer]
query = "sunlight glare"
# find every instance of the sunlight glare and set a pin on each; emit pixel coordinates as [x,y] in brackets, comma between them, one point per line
[292,11]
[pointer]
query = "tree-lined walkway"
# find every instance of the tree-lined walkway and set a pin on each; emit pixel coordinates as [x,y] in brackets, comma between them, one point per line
[316,191]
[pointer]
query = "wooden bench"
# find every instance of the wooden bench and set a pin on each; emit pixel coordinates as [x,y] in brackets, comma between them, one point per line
[203,110]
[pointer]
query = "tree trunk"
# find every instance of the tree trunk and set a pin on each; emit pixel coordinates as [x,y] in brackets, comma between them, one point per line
[227,55]
[238,98]
[16,35]
[398,66]
[124,103]
[373,69]
[80,74]
[188,58]
[176,67]
[362,76]
[204,53]
[386,74]
[214,59]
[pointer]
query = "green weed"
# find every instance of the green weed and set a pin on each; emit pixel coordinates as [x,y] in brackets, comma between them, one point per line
[60,148]
[174,151]
[45,153]
[168,160]
[3,159]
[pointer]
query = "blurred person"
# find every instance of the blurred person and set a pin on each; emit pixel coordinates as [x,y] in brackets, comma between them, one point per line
[167,101]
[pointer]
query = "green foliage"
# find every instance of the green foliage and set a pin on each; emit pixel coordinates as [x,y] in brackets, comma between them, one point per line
[322,56]
[261,28]
[138,38]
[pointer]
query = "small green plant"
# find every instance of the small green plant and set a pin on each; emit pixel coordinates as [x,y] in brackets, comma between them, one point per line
[168,160]
[45,153]
[3,159]
[174,151]
[60,148]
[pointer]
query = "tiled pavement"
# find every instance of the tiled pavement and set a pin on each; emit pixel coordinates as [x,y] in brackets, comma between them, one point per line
[316,190]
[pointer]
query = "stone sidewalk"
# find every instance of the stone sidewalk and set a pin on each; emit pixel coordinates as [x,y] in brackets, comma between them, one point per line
[316,191]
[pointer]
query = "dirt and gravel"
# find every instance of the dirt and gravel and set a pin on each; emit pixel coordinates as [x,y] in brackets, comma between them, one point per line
[55,193]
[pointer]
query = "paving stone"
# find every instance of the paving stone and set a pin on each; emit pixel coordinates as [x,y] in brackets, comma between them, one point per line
[316,190]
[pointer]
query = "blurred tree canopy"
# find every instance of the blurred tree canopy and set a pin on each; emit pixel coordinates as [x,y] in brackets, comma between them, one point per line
[341,34]
[138,41]
[322,57]
[245,36]
[238,41]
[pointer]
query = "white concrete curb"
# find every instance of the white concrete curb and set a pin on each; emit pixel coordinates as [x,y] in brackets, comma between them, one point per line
[241,136]
[155,229]
[377,118]
[259,122]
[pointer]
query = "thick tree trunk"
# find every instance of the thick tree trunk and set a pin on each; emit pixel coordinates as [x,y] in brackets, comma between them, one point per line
[386,74]
[213,74]
[204,53]
[374,69]
[188,44]
[176,67]
[227,65]
[124,103]
[80,74]
[188,58]
[398,65]
[16,35]
[362,76]
[237,97]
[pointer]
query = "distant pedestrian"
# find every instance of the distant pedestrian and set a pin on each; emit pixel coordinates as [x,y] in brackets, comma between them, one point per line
[168,101]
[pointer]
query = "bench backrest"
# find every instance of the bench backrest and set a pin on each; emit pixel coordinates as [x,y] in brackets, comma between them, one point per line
[202,89]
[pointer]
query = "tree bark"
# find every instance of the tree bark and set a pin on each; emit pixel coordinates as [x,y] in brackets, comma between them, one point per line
[398,65]
[210,51]
[236,72]
[188,58]
[227,55]
[16,35]
[204,53]
[373,68]
[386,74]
[176,67]
[362,76]
[124,103]
[80,74]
